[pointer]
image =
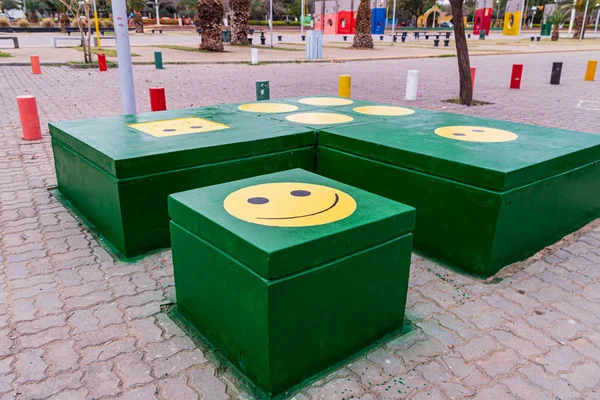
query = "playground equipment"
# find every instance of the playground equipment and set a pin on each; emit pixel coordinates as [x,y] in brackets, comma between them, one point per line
[513,18]
[546,26]
[438,18]
[483,18]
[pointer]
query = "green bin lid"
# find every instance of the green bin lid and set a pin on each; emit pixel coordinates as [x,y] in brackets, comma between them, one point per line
[127,146]
[517,154]
[293,239]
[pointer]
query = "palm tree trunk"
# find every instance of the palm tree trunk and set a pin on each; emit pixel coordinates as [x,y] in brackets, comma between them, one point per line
[138,21]
[210,13]
[555,34]
[64,21]
[462,53]
[362,37]
[239,13]
[579,23]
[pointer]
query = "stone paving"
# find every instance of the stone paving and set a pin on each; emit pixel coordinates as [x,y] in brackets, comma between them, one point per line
[76,324]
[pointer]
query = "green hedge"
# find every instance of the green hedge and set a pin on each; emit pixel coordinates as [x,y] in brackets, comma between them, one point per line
[275,23]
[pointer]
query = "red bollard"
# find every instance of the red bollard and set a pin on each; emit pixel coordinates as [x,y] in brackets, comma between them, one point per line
[473,72]
[30,120]
[515,78]
[102,62]
[36,69]
[157,99]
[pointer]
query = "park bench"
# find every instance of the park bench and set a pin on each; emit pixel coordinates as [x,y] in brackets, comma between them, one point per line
[57,38]
[13,38]
[157,29]
[71,29]
[104,39]
[199,30]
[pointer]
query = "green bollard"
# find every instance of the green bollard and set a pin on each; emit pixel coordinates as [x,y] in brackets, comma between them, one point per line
[262,91]
[158,60]
[482,34]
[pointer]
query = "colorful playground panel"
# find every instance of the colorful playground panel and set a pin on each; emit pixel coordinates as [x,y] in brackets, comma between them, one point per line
[263,268]
[117,172]
[487,193]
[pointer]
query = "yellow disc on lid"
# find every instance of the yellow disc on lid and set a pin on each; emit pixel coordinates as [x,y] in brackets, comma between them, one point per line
[319,118]
[325,101]
[268,108]
[476,134]
[390,111]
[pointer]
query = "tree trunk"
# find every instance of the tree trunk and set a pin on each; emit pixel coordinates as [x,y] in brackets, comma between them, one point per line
[210,14]
[33,18]
[555,33]
[64,21]
[362,37]
[239,13]
[138,21]
[578,26]
[462,53]
[81,31]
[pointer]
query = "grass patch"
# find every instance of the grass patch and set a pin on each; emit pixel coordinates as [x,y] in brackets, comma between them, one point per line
[185,48]
[474,103]
[265,47]
[446,56]
[108,52]
[3,54]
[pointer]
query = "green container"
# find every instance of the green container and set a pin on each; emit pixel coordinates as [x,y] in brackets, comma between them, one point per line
[118,175]
[226,36]
[546,29]
[283,303]
[481,205]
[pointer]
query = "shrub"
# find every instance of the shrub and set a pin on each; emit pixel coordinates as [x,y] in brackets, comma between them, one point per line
[109,24]
[100,23]
[4,23]
[47,23]
[76,22]
[23,23]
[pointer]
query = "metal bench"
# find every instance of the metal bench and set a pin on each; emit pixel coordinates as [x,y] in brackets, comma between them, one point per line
[157,29]
[104,39]
[57,38]
[13,38]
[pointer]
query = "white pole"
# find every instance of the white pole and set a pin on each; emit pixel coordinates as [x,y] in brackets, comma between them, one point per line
[157,16]
[119,10]
[393,22]
[582,28]
[412,82]
[572,17]
[254,56]
[521,19]
[302,18]
[597,17]
[271,20]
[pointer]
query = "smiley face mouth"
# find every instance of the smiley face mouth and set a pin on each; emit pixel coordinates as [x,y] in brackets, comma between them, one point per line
[337,199]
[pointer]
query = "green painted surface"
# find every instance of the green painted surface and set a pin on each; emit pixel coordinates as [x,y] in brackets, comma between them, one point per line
[282,330]
[410,142]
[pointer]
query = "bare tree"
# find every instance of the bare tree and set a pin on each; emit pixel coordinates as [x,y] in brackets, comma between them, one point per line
[239,14]
[362,37]
[74,7]
[462,53]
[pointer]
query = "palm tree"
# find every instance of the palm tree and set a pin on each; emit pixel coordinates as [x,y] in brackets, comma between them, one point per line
[239,13]
[137,6]
[362,37]
[33,7]
[556,19]
[210,15]
[64,15]
[580,8]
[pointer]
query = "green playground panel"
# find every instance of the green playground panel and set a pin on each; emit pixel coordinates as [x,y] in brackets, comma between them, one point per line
[275,299]
[479,205]
[118,176]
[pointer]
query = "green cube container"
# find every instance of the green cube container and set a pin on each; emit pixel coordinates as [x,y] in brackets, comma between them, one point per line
[118,171]
[481,205]
[284,302]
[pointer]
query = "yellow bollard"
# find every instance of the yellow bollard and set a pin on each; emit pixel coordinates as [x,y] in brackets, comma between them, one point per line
[344,86]
[590,72]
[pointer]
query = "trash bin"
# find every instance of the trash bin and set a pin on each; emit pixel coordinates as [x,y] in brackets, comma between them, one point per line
[482,34]
[226,36]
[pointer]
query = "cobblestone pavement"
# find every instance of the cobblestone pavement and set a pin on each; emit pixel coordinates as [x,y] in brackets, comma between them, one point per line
[75,324]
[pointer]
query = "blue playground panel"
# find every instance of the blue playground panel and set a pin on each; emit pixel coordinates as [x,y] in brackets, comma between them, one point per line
[377,21]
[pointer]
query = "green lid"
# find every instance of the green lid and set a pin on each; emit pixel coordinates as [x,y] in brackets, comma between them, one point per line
[309,219]
[126,146]
[519,154]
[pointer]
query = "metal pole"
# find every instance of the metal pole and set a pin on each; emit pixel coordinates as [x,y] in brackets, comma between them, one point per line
[582,27]
[119,10]
[271,20]
[498,12]
[521,21]
[157,16]
[97,24]
[597,17]
[572,17]
[393,22]
[302,18]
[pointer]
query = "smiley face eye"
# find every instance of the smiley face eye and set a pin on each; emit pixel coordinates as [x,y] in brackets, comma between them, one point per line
[169,130]
[478,130]
[300,193]
[258,200]
[458,134]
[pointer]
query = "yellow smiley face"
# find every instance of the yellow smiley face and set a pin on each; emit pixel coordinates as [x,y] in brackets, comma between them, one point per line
[289,204]
[476,134]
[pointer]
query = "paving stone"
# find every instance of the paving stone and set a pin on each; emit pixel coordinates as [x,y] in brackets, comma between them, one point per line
[108,350]
[478,348]
[108,314]
[401,386]
[83,321]
[176,388]
[523,389]
[557,386]
[40,324]
[205,381]
[50,386]
[23,310]
[391,364]
[81,302]
[522,346]
[559,359]
[132,370]
[30,366]
[491,319]
[445,336]
[146,332]
[564,330]
[583,376]
[80,394]
[100,380]
[368,372]
[143,311]
[42,338]
[148,392]
[168,348]
[422,351]
[100,336]
[444,378]
[496,392]
[464,329]
[501,363]
[176,363]
[168,327]
[422,311]
[61,356]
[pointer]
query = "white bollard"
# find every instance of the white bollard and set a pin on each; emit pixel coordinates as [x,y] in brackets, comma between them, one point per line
[254,56]
[412,82]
